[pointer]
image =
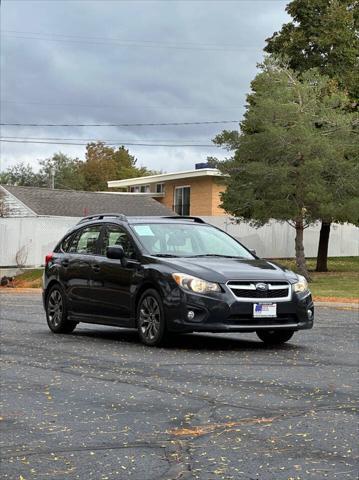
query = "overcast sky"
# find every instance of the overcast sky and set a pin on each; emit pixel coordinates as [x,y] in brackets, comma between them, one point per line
[102,61]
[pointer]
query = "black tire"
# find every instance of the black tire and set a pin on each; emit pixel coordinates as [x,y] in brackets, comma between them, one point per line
[151,323]
[56,311]
[275,337]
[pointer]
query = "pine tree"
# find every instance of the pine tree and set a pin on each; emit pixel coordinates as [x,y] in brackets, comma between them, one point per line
[292,144]
[323,34]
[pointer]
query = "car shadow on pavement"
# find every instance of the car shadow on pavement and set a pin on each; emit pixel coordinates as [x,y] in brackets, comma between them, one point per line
[221,342]
[189,341]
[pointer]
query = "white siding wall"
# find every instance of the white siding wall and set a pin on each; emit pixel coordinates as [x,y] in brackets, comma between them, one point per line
[37,236]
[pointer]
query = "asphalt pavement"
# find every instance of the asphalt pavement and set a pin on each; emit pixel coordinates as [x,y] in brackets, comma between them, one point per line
[97,404]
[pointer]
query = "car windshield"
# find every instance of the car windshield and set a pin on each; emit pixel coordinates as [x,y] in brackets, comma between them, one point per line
[188,240]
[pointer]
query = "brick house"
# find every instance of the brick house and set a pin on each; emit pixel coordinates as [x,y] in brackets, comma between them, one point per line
[190,192]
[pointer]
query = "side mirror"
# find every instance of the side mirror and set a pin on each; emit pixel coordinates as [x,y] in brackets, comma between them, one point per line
[117,253]
[253,251]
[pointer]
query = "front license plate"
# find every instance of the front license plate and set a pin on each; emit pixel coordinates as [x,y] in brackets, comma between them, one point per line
[264,310]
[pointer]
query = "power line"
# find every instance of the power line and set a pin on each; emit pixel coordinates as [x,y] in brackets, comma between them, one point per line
[151,107]
[163,124]
[46,142]
[23,137]
[116,39]
[56,37]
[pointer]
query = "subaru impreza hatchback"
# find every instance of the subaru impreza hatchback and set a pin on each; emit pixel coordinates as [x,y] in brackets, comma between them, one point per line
[169,274]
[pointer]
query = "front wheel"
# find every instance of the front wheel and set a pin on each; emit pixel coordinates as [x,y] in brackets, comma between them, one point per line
[275,337]
[150,318]
[56,311]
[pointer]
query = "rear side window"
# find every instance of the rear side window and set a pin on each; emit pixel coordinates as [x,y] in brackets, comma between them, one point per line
[65,244]
[85,241]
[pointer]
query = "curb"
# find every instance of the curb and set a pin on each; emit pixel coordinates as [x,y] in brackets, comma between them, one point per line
[349,306]
[20,290]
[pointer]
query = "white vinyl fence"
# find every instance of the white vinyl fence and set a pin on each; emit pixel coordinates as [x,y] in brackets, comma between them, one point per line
[27,240]
[276,239]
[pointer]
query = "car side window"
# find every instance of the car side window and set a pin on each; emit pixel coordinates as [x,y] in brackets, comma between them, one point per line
[85,241]
[66,243]
[114,236]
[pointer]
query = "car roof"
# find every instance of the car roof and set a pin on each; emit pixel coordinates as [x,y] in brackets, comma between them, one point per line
[172,220]
[123,219]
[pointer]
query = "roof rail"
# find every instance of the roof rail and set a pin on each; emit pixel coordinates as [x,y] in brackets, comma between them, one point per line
[186,217]
[100,216]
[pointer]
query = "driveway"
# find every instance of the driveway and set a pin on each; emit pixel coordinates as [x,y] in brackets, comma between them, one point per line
[97,404]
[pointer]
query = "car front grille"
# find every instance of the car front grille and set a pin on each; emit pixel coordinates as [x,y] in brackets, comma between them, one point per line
[283,292]
[251,291]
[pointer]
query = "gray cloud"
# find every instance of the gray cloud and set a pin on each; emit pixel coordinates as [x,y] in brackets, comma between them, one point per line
[173,61]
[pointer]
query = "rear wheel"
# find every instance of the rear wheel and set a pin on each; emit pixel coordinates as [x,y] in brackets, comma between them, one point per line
[56,311]
[275,337]
[150,318]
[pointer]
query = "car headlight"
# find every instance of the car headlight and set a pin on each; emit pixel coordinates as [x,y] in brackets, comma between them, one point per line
[195,284]
[301,286]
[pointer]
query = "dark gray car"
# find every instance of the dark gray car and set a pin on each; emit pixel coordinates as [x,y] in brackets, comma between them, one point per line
[169,274]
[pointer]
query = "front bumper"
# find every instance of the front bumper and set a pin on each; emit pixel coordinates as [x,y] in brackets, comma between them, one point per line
[224,313]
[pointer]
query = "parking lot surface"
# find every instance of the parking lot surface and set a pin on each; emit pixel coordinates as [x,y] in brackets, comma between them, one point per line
[97,404]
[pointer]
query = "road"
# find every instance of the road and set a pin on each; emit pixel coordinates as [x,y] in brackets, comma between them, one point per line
[97,404]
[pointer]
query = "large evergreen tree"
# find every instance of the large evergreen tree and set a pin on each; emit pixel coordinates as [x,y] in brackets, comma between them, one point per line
[292,142]
[323,34]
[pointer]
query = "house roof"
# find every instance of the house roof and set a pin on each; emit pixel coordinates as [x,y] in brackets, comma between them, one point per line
[75,203]
[164,177]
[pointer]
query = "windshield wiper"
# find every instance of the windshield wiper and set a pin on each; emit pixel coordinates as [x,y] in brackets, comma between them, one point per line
[164,255]
[213,255]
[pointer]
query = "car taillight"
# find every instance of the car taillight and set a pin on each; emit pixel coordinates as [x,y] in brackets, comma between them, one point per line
[48,258]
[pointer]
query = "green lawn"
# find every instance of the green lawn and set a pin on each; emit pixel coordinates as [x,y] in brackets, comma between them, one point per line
[29,278]
[342,280]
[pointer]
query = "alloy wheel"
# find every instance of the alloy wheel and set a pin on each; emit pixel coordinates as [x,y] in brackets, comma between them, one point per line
[150,318]
[55,308]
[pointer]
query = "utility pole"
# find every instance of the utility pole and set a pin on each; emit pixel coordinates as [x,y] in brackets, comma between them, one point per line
[52,178]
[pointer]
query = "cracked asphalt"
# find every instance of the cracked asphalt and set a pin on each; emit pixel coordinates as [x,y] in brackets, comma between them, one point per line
[97,404]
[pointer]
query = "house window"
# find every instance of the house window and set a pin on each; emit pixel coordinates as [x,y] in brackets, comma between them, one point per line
[160,188]
[140,189]
[182,200]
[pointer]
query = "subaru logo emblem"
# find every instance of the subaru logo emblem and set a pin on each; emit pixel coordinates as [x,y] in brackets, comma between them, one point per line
[261,286]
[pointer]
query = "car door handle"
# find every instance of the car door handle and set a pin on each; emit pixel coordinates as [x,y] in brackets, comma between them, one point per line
[65,263]
[96,268]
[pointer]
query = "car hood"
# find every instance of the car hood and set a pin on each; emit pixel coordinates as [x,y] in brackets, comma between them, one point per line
[219,269]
